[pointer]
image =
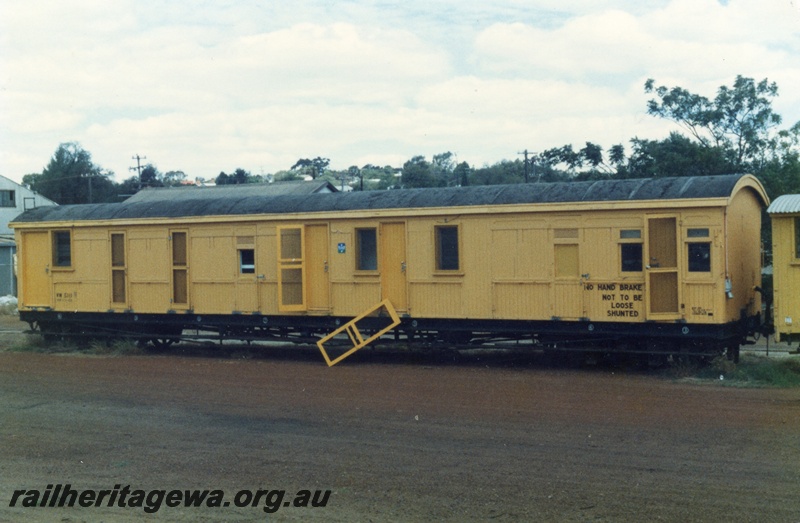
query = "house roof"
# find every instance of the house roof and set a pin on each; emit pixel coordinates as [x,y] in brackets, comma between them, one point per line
[245,203]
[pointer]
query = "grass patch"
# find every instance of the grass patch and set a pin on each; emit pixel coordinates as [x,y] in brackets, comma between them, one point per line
[37,344]
[751,371]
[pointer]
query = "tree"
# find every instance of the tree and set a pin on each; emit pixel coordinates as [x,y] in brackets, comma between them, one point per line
[739,120]
[379,178]
[354,173]
[593,154]
[150,177]
[674,156]
[239,176]
[503,172]
[222,179]
[417,173]
[616,155]
[287,176]
[461,173]
[562,155]
[314,168]
[70,177]
[173,178]
[442,166]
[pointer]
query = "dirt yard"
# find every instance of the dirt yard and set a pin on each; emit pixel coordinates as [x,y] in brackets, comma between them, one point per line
[392,439]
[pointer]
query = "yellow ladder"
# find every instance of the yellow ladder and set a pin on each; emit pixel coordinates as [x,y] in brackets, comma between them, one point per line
[356,338]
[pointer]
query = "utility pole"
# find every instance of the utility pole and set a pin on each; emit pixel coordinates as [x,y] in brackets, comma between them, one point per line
[525,152]
[138,168]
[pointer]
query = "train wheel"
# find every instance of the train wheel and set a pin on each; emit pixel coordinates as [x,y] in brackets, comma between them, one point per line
[162,343]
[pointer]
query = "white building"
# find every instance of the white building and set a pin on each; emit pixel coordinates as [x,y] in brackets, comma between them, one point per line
[14,199]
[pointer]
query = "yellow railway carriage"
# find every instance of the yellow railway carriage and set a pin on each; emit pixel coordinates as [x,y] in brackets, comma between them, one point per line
[641,265]
[785,216]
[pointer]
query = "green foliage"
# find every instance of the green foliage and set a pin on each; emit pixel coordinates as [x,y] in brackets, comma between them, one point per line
[150,177]
[674,156]
[287,176]
[417,173]
[313,168]
[756,371]
[239,176]
[461,173]
[503,172]
[751,371]
[442,167]
[71,177]
[739,120]
[379,178]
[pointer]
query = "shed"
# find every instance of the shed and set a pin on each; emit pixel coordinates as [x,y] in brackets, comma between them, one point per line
[785,215]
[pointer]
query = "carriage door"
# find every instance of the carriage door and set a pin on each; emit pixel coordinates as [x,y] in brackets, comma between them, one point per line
[317,253]
[34,267]
[291,269]
[663,292]
[392,251]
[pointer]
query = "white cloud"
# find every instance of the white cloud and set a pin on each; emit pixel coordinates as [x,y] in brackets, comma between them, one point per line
[211,86]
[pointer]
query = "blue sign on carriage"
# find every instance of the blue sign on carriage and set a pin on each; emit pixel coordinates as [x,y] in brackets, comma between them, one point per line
[341,248]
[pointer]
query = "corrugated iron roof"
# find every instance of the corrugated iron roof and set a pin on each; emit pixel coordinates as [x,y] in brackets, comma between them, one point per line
[672,188]
[788,203]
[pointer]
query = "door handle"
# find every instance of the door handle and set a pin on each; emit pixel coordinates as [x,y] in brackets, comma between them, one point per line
[402,266]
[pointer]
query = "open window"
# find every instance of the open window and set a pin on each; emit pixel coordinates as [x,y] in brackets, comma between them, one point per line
[247,261]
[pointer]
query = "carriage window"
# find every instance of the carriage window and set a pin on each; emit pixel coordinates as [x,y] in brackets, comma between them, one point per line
[247,261]
[62,249]
[700,257]
[797,238]
[630,252]
[366,249]
[630,257]
[447,248]
[697,233]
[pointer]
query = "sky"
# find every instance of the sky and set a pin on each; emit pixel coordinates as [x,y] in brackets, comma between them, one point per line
[210,86]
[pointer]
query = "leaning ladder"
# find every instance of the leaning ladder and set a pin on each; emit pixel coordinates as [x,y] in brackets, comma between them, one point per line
[355,335]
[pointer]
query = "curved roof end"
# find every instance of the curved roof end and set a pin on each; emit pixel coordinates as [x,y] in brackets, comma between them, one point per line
[753,183]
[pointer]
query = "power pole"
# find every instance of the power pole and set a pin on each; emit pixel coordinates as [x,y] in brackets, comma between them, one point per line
[138,168]
[525,152]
